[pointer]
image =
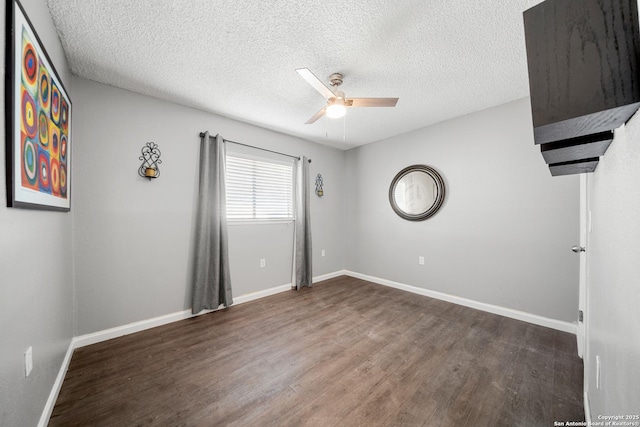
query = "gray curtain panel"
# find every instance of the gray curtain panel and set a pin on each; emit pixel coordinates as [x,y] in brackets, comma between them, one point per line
[211,279]
[302,258]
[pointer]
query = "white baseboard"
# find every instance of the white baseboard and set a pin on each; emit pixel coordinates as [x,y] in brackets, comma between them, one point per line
[118,331]
[328,276]
[502,311]
[57,385]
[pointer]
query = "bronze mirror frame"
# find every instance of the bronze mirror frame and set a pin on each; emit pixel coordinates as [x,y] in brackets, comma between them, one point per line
[439,197]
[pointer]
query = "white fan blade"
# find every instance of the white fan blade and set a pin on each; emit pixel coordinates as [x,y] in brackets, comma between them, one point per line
[315,82]
[371,102]
[316,116]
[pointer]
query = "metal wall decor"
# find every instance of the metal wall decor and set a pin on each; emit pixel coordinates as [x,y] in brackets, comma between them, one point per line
[319,185]
[150,161]
[416,192]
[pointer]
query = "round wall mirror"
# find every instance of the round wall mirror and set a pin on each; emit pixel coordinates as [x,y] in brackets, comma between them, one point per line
[416,192]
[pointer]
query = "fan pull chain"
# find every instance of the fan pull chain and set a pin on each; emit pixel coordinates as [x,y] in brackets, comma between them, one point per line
[326,129]
[344,129]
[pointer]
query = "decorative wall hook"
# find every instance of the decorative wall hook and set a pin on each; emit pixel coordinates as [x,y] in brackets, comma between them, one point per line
[319,185]
[150,161]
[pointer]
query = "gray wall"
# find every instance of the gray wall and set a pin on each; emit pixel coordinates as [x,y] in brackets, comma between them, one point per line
[613,271]
[35,275]
[133,237]
[504,233]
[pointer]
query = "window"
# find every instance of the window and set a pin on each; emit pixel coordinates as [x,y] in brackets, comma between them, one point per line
[258,189]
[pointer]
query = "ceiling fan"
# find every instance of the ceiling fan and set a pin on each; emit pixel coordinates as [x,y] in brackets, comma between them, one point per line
[336,102]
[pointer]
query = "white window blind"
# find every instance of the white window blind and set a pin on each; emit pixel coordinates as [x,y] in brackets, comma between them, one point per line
[258,189]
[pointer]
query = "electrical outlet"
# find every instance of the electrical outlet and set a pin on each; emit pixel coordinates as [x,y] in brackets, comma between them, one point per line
[323,252]
[263,262]
[28,361]
[421,260]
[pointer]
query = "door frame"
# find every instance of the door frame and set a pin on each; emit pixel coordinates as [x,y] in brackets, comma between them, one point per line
[585,228]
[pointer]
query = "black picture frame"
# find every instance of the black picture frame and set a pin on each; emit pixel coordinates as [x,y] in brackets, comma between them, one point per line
[38,112]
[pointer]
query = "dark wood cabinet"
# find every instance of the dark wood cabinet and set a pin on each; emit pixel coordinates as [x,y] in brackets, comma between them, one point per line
[584,65]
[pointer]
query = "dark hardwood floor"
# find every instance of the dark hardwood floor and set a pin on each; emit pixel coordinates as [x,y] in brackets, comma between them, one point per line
[345,352]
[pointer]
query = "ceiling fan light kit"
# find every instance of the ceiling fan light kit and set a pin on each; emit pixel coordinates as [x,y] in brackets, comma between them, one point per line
[336,102]
[336,109]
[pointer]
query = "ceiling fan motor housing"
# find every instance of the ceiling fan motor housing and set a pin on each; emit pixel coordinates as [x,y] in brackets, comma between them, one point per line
[339,94]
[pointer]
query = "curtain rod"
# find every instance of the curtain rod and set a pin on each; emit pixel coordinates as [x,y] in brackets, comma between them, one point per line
[257,148]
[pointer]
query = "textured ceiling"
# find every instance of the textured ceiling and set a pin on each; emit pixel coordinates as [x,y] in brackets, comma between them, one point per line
[442,58]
